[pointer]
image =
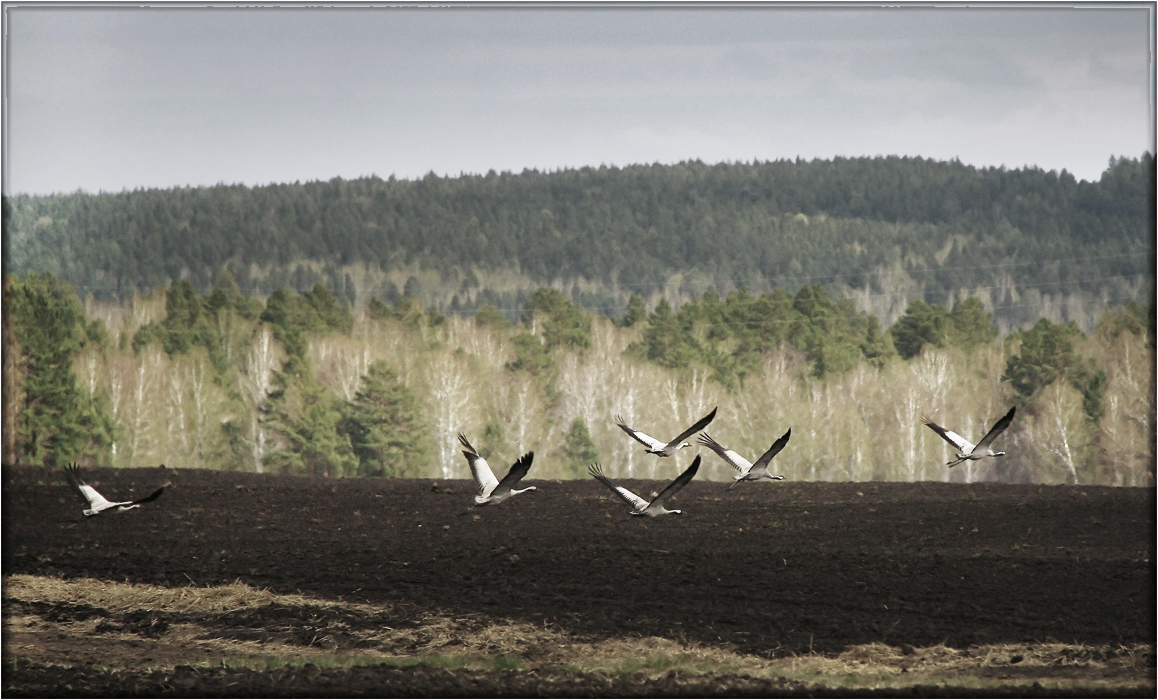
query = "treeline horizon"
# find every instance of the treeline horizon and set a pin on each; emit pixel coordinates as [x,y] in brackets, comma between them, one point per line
[884,231]
[307,384]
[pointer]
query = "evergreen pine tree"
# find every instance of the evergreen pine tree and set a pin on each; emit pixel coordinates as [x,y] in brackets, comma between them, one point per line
[971,324]
[636,311]
[580,449]
[305,415]
[385,427]
[923,324]
[1047,355]
[56,422]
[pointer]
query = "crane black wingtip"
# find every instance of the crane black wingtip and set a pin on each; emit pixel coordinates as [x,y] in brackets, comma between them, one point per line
[466,443]
[152,497]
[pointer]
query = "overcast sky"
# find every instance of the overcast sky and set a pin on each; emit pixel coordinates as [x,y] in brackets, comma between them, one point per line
[109,99]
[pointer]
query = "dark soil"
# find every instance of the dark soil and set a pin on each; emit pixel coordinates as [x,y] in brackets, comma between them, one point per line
[767,569]
[384,681]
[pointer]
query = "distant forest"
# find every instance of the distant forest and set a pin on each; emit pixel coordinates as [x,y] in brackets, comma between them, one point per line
[883,231]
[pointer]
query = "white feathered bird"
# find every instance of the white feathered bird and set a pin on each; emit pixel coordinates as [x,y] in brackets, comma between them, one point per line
[98,504]
[655,507]
[748,470]
[656,447]
[967,450]
[491,491]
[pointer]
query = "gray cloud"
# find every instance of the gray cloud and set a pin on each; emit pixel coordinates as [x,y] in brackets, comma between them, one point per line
[112,98]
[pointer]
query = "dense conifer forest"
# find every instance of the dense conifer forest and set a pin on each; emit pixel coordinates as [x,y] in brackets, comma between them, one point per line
[350,328]
[308,384]
[881,231]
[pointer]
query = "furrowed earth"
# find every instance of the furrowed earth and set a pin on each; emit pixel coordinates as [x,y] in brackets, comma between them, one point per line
[248,584]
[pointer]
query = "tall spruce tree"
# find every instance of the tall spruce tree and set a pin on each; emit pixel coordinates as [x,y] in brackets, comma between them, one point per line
[580,448]
[385,427]
[923,324]
[306,416]
[1047,355]
[56,422]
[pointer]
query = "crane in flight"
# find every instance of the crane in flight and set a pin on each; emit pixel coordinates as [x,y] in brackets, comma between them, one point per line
[656,506]
[491,491]
[748,470]
[656,447]
[967,450]
[98,504]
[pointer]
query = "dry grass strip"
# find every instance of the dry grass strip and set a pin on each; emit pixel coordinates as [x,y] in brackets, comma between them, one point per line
[476,641]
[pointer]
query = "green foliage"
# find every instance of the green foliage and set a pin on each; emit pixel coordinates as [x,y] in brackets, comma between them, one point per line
[333,316]
[580,449]
[877,346]
[227,295]
[1087,378]
[434,318]
[488,315]
[831,330]
[306,416]
[665,341]
[923,324]
[565,323]
[185,326]
[409,310]
[636,312]
[236,451]
[971,324]
[1047,355]
[1131,318]
[56,422]
[531,355]
[968,326]
[787,222]
[379,309]
[493,439]
[292,317]
[385,427]
[731,335]
[303,426]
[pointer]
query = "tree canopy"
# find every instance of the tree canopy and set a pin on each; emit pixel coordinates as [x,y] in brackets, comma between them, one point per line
[846,223]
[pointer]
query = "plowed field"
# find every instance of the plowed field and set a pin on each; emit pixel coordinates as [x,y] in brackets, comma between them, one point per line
[888,576]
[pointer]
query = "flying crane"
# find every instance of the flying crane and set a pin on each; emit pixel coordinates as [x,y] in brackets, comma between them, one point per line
[656,506]
[748,470]
[491,491]
[98,504]
[967,450]
[656,447]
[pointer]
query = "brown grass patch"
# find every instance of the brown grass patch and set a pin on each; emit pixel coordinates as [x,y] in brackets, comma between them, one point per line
[49,620]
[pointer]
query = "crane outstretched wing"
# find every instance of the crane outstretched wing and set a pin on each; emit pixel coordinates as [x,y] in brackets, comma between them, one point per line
[634,501]
[518,470]
[680,482]
[88,494]
[963,446]
[647,440]
[484,478]
[773,450]
[699,425]
[151,497]
[734,460]
[997,429]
